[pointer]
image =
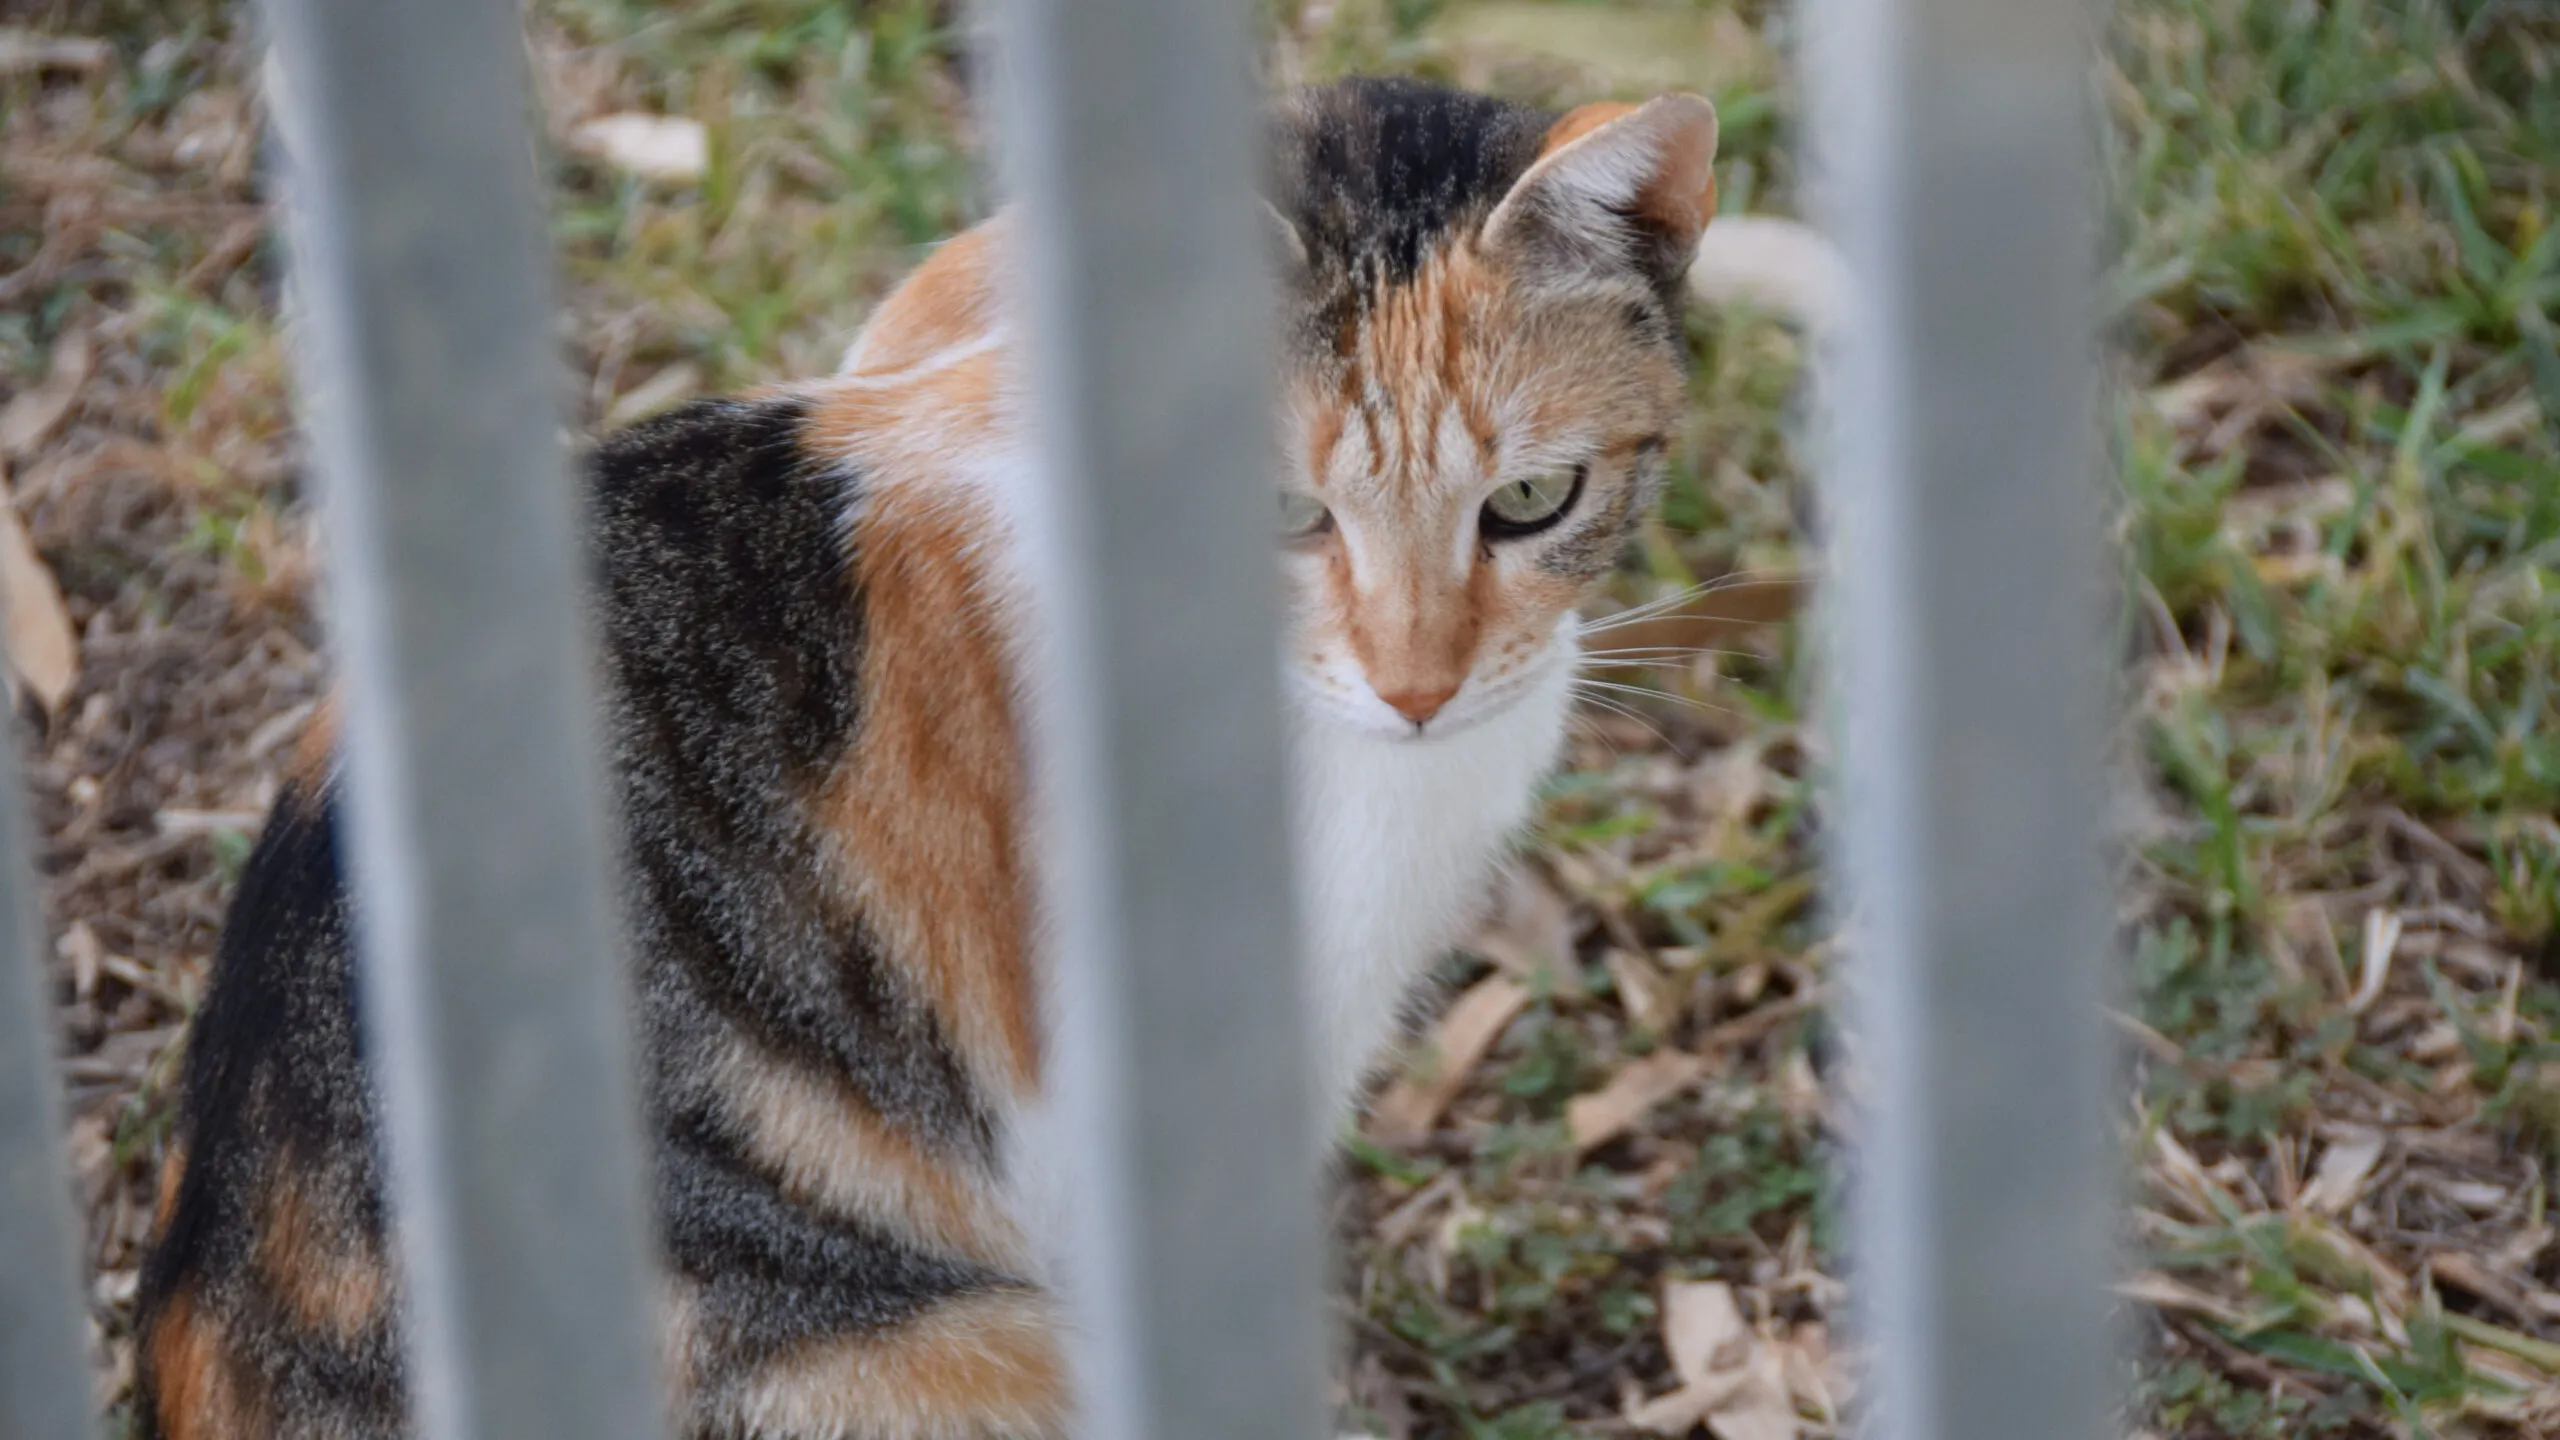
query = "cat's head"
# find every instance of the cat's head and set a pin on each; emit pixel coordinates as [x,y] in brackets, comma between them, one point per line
[1483,365]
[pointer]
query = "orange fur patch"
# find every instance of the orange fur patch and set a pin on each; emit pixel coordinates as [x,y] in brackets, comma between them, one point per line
[326,1279]
[173,1171]
[927,808]
[307,768]
[195,1385]
[945,304]
[833,1151]
[1581,120]
[978,1368]
[914,416]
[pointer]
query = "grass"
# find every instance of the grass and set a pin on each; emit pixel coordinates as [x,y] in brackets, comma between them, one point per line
[2336,416]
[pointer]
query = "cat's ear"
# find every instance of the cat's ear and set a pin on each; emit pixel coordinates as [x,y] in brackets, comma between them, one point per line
[1615,186]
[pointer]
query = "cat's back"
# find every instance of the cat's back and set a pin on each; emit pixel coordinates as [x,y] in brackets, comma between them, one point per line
[806,714]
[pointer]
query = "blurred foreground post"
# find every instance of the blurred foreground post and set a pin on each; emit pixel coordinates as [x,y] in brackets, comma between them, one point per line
[1956,141]
[1129,133]
[44,1362]
[493,996]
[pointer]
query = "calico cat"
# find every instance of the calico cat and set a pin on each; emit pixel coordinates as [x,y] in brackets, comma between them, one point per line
[812,627]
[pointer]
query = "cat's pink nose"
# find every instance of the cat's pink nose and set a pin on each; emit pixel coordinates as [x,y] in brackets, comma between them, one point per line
[1419,702]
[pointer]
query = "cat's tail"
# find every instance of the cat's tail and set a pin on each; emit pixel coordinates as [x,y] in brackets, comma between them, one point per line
[1784,267]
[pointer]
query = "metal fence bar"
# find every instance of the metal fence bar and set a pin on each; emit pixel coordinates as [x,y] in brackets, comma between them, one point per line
[1128,132]
[44,1367]
[1956,142]
[493,997]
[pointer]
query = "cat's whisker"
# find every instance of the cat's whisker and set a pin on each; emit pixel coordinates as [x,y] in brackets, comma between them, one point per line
[1732,578]
[1590,688]
[1646,611]
[1663,653]
[1657,606]
[1614,708]
[1644,693]
[1667,665]
[1584,725]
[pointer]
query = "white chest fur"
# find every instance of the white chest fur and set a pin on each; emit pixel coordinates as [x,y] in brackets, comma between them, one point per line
[1396,845]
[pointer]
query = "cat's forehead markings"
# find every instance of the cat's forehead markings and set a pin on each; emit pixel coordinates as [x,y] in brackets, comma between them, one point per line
[1324,436]
[1451,291]
[1456,440]
[1368,400]
[1419,389]
[1353,457]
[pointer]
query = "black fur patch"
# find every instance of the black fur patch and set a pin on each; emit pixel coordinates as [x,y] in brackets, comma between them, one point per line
[774,1274]
[275,1080]
[1375,174]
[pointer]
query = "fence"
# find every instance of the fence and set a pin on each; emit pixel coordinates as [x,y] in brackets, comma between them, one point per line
[1956,138]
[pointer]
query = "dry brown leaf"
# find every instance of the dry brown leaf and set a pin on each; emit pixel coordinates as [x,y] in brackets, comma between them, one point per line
[1407,1219]
[2469,1275]
[2521,1250]
[1675,1414]
[42,650]
[1732,1379]
[1447,1239]
[2158,1290]
[2183,1178]
[1409,1108]
[1745,1028]
[1683,1410]
[2381,937]
[32,415]
[1726,789]
[187,824]
[2481,1197]
[663,391]
[1798,1089]
[654,147]
[2360,1317]
[1605,1113]
[79,948]
[2339,1178]
[1703,1329]
[1647,995]
[1806,1359]
[23,50]
[1761,1409]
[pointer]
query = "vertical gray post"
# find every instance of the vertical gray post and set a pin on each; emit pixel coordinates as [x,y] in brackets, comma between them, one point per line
[1130,135]
[44,1367]
[494,1005]
[1956,140]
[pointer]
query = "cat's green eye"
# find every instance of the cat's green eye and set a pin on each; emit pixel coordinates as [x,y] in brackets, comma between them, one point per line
[1302,515]
[1525,507]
